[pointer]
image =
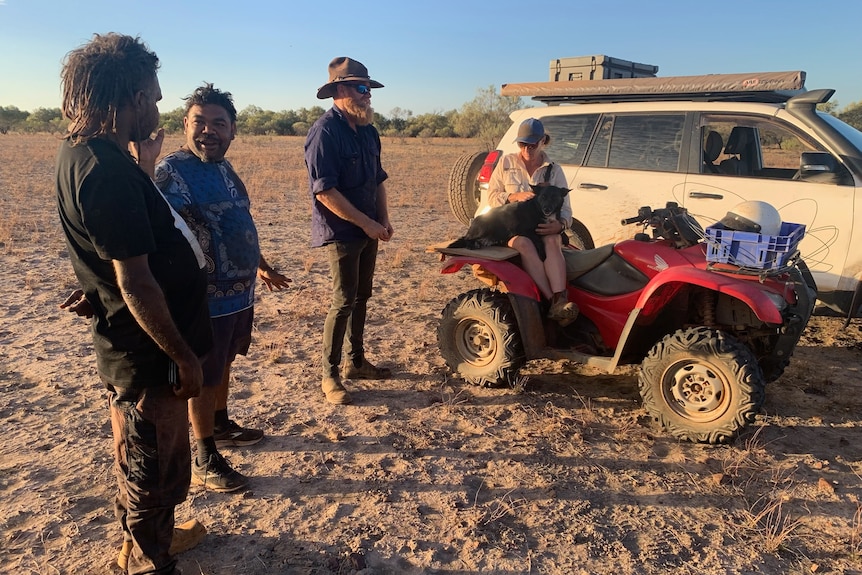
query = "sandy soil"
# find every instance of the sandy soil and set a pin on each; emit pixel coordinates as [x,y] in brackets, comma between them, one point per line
[424,473]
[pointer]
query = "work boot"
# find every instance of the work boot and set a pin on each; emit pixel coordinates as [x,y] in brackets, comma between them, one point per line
[186,536]
[334,391]
[364,371]
[123,557]
[563,311]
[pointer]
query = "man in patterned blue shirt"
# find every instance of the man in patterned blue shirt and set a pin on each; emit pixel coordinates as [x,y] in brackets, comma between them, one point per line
[202,186]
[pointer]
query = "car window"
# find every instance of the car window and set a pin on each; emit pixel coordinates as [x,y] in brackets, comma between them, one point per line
[638,142]
[753,147]
[570,136]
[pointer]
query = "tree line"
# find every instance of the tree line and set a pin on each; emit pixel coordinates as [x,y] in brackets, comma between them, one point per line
[486,117]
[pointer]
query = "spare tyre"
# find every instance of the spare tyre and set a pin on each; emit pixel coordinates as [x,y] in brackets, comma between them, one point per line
[464,186]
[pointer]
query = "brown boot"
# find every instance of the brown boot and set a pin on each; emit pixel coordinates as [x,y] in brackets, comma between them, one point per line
[563,311]
[123,557]
[334,391]
[186,536]
[365,371]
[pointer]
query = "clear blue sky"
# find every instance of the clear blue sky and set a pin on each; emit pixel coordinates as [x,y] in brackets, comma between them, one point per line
[433,56]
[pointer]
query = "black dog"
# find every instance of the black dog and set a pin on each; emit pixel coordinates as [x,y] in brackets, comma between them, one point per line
[498,225]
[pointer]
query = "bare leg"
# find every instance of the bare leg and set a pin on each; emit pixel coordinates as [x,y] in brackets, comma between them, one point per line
[223,388]
[532,264]
[555,265]
[202,412]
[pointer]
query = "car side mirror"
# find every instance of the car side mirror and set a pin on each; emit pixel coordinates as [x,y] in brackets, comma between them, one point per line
[813,163]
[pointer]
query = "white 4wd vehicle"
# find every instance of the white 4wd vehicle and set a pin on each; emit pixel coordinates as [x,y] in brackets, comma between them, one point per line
[707,143]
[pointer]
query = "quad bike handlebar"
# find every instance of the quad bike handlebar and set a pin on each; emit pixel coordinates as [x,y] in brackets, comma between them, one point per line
[671,222]
[644,216]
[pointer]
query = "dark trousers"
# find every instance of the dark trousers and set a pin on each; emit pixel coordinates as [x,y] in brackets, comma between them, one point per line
[351,267]
[152,462]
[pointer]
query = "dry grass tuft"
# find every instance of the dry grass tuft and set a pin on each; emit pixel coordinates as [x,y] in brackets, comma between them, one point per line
[771,524]
[856,534]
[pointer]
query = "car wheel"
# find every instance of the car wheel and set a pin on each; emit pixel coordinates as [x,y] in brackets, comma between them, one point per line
[701,385]
[464,186]
[479,339]
[579,236]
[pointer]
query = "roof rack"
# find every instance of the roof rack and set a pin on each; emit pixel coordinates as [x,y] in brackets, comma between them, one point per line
[755,87]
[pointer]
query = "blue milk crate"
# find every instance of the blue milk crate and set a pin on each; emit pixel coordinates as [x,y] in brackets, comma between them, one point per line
[752,250]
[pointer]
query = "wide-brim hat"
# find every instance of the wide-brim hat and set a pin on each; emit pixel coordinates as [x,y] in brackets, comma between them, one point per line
[343,69]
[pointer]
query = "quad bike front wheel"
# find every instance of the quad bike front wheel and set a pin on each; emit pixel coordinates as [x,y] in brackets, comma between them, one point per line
[701,385]
[479,339]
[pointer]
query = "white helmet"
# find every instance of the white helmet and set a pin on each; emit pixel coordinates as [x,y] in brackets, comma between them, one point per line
[757,217]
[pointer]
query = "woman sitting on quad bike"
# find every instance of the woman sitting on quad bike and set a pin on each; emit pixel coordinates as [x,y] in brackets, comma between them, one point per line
[511,182]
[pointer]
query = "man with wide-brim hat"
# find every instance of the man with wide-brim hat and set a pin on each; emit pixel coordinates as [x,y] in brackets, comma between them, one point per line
[350,216]
[343,69]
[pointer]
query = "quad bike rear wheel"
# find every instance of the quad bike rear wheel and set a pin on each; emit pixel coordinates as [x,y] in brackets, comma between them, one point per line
[479,339]
[701,385]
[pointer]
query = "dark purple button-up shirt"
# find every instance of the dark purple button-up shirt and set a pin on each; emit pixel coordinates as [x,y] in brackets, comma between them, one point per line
[339,157]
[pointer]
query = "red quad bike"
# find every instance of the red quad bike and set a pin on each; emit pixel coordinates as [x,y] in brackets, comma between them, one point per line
[708,336]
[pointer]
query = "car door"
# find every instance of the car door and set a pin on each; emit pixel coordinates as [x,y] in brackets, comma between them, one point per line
[759,160]
[633,161]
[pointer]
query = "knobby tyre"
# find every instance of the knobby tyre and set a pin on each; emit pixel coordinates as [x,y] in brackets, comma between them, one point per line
[701,385]
[479,339]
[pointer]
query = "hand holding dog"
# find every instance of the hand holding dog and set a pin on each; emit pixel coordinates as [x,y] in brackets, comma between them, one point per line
[550,228]
[520,197]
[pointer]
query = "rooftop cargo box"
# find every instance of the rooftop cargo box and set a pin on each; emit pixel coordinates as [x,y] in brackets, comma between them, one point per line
[598,67]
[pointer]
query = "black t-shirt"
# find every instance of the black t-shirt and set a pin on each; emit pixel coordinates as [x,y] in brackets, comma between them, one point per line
[111,210]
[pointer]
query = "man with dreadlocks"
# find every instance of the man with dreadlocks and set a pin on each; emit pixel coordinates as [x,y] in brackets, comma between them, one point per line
[142,273]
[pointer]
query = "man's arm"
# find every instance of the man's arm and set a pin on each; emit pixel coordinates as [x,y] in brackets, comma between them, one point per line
[146,301]
[336,203]
[383,210]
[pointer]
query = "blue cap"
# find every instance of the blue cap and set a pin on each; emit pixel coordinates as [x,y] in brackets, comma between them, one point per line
[531,131]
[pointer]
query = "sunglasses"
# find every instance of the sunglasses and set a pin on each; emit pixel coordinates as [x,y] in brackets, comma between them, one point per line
[528,146]
[361,88]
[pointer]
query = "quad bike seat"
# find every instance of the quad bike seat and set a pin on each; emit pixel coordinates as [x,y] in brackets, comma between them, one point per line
[579,262]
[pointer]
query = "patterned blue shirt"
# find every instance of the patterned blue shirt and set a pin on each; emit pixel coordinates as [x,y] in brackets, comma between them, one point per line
[214,202]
